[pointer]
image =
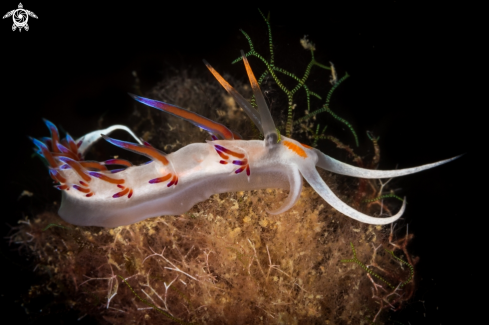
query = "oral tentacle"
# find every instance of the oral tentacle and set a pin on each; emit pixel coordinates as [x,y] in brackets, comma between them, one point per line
[338,167]
[295,189]
[312,177]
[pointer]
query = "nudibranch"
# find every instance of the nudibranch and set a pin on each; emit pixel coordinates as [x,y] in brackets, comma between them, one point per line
[170,184]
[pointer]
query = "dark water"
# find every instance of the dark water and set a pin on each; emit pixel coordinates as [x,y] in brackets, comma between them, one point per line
[410,83]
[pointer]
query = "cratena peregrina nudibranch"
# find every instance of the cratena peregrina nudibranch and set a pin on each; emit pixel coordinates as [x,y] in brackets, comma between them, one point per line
[170,184]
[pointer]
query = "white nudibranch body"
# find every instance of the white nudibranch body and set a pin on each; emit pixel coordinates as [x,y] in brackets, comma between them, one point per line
[170,184]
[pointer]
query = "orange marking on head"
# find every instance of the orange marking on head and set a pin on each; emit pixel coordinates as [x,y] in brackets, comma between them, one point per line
[295,148]
[90,194]
[306,146]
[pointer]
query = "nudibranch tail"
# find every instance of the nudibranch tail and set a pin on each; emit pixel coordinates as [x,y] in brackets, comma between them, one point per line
[210,126]
[295,189]
[89,139]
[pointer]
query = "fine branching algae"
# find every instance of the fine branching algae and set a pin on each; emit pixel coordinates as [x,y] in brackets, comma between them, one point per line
[272,70]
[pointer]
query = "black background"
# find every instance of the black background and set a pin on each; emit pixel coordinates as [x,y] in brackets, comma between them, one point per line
[413,82]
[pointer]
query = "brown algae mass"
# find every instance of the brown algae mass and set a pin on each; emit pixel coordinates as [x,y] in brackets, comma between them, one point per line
[225,261]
